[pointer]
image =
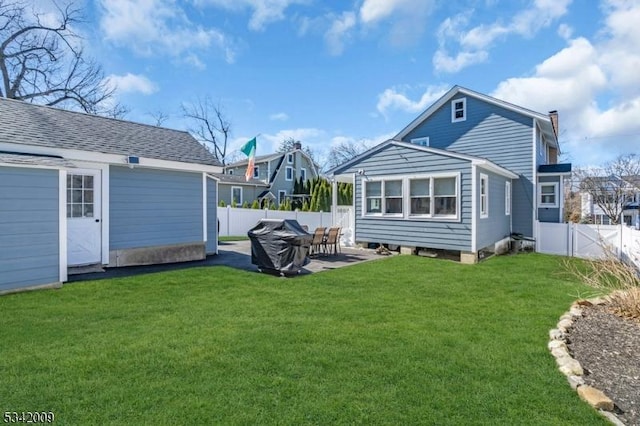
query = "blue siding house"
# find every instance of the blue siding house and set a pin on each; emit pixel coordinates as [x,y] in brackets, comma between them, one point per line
[79,189]
[465,175]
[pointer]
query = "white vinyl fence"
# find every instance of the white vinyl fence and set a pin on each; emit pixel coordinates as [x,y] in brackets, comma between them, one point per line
[588,241]
[238,221]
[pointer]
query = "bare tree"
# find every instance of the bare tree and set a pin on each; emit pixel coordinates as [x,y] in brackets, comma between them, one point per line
[159,117]
[345,151]
[611,185]
[43,62]
[211,126]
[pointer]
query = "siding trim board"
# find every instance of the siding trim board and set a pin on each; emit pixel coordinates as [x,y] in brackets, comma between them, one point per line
[62,223]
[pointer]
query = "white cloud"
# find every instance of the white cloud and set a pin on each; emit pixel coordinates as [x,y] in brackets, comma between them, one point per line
[405,18]
[396,98]
[268,143]
[340,32]
[597,97]
[473,44]
[264,12]
[279,116]
[131,83]
[376,10]
[151,27]
[565,31]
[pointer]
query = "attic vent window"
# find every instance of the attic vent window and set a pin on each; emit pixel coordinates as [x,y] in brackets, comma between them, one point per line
[421,141]
[458,110]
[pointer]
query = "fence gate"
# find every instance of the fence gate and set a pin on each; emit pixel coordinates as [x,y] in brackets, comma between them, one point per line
[588,241]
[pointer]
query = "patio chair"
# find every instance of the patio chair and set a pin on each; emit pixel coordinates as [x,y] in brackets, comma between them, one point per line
[332,242]
[318,240]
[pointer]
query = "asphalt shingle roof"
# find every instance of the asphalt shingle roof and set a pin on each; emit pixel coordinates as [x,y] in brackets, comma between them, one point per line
[31,124]
[239,179]
[34,160]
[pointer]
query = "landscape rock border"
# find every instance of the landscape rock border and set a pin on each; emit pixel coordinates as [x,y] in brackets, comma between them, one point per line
[571,368]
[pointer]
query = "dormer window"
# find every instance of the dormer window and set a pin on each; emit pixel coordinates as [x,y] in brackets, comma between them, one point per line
[421,141]
[458,110]
[230,171]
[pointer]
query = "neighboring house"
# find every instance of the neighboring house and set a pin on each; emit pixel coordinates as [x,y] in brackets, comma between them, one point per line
[278,172]
[235,188]
[465,175]
[627,202]
[79,189]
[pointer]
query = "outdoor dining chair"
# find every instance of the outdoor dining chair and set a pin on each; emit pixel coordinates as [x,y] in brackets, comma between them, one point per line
[318,240]
[332,242]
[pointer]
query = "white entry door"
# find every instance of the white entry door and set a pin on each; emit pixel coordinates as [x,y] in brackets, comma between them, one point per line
[84,222]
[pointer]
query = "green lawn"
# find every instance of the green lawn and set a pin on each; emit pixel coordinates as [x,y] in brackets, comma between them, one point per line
[402,340]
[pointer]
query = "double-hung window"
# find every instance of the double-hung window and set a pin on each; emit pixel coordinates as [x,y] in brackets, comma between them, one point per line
[256,172]
[373,193]
[420,194]
[393,197]
[236,194]
[548,194]
[484,195]
[288,173]
[458,110]
[445,197]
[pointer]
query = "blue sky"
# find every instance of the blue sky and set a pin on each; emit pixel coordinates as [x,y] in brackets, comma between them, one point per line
[330,71]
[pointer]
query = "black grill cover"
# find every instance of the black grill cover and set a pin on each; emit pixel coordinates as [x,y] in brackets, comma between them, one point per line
[279,245]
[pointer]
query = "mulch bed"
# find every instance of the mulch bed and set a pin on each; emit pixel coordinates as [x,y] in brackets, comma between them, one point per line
[608,348]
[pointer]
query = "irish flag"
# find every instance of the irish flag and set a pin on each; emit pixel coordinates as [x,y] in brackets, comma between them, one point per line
[249,149]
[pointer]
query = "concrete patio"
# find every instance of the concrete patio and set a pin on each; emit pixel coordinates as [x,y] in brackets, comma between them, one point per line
[235,254]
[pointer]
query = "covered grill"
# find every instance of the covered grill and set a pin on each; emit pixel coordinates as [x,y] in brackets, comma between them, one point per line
[279,245]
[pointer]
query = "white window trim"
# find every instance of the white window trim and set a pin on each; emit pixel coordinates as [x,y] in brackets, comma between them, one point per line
[407,198]
[290,158]
[256,172]
[424,141]
[484,213]
[453,110]
[507,198]
[286,172]
[303,174]
[237,201]
[280,193]
[230,171]
[555,191]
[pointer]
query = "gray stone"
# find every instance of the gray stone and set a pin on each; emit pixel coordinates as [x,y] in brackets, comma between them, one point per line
[612,418]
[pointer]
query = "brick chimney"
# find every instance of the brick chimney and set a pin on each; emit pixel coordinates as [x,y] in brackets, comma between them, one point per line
[297,145]
[553,115]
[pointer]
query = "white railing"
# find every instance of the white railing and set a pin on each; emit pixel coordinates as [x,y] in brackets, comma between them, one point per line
[588,241]
[238,221]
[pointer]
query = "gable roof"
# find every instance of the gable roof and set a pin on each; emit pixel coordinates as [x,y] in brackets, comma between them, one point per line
[259,159]
[36,125]
[478,161]
[276,156]
[543,120]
